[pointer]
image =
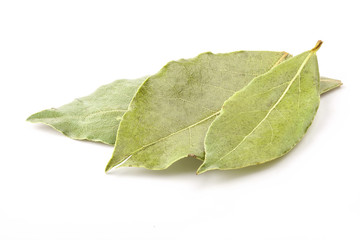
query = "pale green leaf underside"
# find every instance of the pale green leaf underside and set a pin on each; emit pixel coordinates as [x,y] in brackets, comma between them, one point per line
[95,117]
[171,112]
[267,118]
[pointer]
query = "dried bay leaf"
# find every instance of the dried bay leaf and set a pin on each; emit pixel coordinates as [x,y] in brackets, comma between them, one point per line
[99,114]
[328,84]
[95,117]
[267,118]
[116,98]
[98,120]
[172,110]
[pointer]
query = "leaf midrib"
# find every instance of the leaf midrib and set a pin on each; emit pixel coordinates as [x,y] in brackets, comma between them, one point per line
[197,123]
[181,130]
[274,106]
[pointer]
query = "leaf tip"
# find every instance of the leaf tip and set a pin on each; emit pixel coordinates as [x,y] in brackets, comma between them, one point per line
[107,168]
[317,46]
[30,118]
[204,168]
[114,163]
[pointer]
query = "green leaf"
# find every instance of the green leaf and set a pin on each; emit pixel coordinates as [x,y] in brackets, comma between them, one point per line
[266,119]
[328,84]
[102,127]
[171,112]
[95,117]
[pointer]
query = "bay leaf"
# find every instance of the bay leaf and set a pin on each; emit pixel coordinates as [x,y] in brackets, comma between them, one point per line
[95,117]
[328,84]
[110,101]
[267,118]
[172,110]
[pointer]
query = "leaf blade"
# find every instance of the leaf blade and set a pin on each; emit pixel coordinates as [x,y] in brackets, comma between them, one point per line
[328,84]
[173,112]
[95,117]
[106,130]
[251,126]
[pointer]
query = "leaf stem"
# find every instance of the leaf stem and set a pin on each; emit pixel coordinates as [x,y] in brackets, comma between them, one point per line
[281,59]
[317,46]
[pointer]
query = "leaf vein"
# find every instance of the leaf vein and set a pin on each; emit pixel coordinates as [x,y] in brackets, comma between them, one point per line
[273,107]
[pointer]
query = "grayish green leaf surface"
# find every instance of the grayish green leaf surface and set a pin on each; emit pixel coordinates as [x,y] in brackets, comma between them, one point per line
[171,112]
[328,84]
[95,117]
[267,118]
[102,125]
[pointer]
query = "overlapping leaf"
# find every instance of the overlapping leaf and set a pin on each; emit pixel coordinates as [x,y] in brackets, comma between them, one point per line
[102,124]
[172,110]
[267,118]
[95,117]
[328,84]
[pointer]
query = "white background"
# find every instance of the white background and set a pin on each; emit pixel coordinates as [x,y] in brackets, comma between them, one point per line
[53,187]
